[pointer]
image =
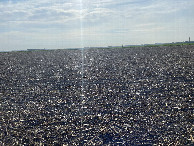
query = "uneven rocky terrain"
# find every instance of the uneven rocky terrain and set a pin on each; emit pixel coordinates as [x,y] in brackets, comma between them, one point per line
[128,96]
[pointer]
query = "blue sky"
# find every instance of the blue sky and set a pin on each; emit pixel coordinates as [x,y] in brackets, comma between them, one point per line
[77,23]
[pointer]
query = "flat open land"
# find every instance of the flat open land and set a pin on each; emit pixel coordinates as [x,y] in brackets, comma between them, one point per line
[125,96]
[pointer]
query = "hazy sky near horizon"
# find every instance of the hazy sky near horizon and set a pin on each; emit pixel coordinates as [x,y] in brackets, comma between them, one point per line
[61,24]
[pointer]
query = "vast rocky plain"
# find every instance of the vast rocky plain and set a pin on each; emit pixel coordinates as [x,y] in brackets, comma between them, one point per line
[118,96]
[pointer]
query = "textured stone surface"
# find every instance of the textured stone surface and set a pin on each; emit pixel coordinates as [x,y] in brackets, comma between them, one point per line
[131,96]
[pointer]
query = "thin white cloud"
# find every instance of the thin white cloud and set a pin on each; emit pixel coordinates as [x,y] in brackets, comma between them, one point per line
[101,21]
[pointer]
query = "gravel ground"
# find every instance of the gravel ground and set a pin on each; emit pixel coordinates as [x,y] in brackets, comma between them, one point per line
[128,96]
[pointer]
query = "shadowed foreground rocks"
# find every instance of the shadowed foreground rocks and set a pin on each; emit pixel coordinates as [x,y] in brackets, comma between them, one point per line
[131,96]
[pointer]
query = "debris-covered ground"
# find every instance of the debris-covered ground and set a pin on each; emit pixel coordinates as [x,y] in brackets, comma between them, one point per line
[128,96]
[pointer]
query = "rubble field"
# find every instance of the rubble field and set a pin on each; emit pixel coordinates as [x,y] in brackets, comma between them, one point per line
[118,96]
